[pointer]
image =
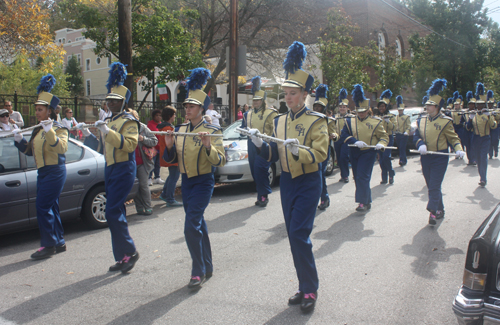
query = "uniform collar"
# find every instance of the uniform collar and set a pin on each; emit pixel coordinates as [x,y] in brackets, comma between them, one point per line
[367,116]
[434,118]
[191,127]
[113,118]
[299,113]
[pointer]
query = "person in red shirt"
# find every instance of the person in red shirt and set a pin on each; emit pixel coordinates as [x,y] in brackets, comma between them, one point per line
[153,126]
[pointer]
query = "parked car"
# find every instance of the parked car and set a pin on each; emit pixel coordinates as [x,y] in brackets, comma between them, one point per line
[83,194]
[414,113]
[237,168]
[478,299]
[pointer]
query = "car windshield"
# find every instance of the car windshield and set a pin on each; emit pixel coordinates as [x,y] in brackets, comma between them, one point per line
[410,112]
[230,132]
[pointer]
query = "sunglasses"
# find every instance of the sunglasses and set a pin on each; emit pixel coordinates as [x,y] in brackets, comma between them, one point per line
[70,112]
[4,115]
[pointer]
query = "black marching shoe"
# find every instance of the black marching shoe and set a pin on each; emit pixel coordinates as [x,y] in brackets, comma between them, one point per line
[344,179]
[432,218]
[308,302]
[60,249]
[391,180]
[324,204]
[296,298]
[196,282]
[482,183]
[117,267]
[128,262]
[439,214]
[364,207]
[43,252]
[262,202]
[383,182]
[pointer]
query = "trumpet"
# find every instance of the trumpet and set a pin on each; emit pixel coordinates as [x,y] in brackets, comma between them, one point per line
[269,138]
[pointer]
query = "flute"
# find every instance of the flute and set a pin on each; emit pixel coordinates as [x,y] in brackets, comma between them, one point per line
[8,134]
[269,138]
[370,146]
[85,126]
[434,153]
[185,134]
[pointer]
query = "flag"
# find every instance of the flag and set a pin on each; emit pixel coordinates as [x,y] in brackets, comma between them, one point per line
[162,91]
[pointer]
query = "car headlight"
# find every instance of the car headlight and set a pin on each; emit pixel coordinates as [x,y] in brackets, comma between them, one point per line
[235,155]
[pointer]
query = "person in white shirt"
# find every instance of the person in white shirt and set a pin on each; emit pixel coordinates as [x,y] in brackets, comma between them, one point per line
[213,114]
[5,124]
[15,117]
[104,112]
[69,122]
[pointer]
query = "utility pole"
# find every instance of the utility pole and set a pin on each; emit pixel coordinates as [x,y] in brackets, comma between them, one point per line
[233,56]
[125,44]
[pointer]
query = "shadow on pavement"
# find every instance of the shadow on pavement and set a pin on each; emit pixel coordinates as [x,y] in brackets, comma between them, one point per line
[14,267]
[422,194]
[153,310]
[429,249]
[350,228]
[484,198]
[231,220]
[278,234]
[290,316]
[46,303]
[379,191]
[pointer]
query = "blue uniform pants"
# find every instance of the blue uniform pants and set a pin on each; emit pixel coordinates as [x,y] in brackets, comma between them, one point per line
[468,143]
[119,180]
[299,197]
[385,161]
[402,140]
[481,147]
[434,167]
[322,167]
[362,167]
[495,135]
[259,167]
[50,183]
[196,194]
[342,154]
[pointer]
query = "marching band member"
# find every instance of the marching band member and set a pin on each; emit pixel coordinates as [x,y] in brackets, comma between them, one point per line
[388,122]
[481,124]
[469,134]
[433,133]
[402,130]
[495,133]
[341,148]
[301,172]
[320,107]
[5,122]
[261,118]
[458,120]
[363,130]
[48,145]
[120,137]
[197,157]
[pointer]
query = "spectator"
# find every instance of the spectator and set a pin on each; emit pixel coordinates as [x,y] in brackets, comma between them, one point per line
[104,112]
[245,108]
[153,126]
[208,118]
[58,113]
[239,114]
[168,193]
[5,124]
[15,117]
[213,114]
[69,122]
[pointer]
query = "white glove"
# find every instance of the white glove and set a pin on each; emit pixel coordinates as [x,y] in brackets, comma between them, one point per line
[459,154]
[379,146]
[17,135]
[85,131]
[101,125]
[293,149]
[255,139]
[406,133]
[471,115]
[422,149]
[47,125]
[360,144]
[387,120]
[486,113]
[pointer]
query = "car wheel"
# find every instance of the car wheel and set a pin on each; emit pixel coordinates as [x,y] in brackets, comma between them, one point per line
[94,208]
[330,165]
[272,175]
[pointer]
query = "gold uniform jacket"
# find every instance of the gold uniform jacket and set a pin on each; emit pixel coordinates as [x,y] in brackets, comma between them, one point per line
[481,124]
[48,148]
[339,125]
[188,151]
[311,129]
[436,132]
[122,139]
[402,124]
[370,131]
[332,127]
[390,126]
[261,119]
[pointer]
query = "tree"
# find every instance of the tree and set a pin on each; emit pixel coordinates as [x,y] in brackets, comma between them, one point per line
[342,63]
[394,72]
[74,78]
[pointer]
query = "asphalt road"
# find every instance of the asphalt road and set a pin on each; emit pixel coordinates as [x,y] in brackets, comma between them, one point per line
[386,267]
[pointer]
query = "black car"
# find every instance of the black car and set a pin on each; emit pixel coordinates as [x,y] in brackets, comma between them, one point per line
[478,300]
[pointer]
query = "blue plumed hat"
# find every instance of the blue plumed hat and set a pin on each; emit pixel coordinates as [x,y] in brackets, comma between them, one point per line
[489,97]
[425,99]
[450,103]
[116,79]
[321,95]
[480,96]
[44,88]
[457,98]
[195,82]
[399,102]
[256,91]
[470,97]
[433,92]
[385,97]
[295,76]
[343,97]
[358,96]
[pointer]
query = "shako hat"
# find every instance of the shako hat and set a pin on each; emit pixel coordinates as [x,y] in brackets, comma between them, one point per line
[256,91]
[433,92]
[385,97]
[343,97]
[399,102]
[44,88]
[358,96]
[116,79]
[195,82]
[321,95]
[480,95]
[295,76]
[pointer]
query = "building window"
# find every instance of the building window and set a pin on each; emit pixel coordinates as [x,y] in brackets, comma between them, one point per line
[64,40]
[79,59]
[69,41]
[398,48]
[98,60]
[60,41]
[88,87]
[381,41]
[87,65]
[109,61]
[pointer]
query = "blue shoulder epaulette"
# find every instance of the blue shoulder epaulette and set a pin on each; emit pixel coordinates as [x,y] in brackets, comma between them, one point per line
[212,126]
[376,117]
[57,124]
[446,117]
[273,109]
[309,112]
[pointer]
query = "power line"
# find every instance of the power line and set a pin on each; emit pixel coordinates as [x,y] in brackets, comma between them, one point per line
[422,25]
